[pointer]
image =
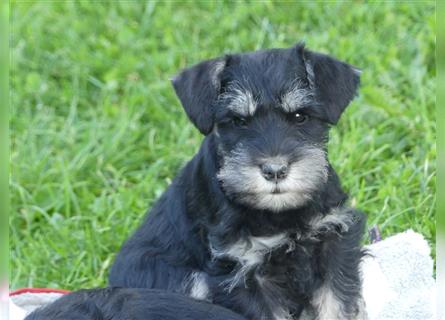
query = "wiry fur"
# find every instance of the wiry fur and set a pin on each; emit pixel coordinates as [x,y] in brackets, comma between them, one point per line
[265,248]
[240,176]
[249,253]
[196,286]
[130,304]
[239,101]
[298,97]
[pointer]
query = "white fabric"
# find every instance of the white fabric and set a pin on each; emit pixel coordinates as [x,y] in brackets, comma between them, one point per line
[398,279]
[16,312]
[22,304]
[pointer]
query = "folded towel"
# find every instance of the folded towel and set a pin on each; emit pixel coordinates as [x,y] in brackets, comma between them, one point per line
[398,282]
[24,301]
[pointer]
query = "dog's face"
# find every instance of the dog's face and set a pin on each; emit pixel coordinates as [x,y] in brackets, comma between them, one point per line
[269,112]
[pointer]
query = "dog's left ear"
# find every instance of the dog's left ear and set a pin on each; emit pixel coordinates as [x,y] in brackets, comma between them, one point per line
[335,82]
[198,88]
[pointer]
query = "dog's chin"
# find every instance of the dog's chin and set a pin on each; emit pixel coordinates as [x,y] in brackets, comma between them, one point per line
[275,201]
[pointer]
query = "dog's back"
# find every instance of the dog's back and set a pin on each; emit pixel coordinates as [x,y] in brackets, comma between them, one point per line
[134,304]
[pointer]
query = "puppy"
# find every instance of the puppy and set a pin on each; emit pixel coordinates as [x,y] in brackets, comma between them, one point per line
[130,304]
[257,221]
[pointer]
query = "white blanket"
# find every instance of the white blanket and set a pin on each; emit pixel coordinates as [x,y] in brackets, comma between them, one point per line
[398,282]
[398,279]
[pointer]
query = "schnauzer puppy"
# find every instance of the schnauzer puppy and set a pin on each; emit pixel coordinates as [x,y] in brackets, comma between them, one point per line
[130,304]
[256,221]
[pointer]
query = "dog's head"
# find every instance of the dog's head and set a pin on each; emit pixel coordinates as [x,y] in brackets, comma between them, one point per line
[270,112]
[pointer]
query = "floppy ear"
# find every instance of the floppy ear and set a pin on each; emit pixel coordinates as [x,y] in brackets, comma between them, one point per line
[335,82]
[198,87]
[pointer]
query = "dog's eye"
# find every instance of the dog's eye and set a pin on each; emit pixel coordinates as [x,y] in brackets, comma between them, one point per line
[239,122]
[300,118]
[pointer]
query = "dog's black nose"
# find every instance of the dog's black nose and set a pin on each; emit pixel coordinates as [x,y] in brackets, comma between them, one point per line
[274,171]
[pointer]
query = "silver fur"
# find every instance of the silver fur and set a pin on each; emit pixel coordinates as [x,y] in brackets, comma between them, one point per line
[249,252]
[296,98]
[327,304]
[336,219]
[239,100]
[196,286]
[240,176]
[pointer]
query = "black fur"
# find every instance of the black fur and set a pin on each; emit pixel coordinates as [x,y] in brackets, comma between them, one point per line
[202,215]
[204,76]
[130,304]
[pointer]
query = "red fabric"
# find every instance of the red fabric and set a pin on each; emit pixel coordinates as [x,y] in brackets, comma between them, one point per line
[37,290]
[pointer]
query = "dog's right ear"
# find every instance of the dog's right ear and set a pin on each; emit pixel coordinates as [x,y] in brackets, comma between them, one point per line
[198,88]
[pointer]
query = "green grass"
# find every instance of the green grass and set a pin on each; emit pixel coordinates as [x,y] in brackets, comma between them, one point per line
[97,133]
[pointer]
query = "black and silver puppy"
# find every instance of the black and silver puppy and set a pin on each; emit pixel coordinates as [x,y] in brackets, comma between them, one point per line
[256,221]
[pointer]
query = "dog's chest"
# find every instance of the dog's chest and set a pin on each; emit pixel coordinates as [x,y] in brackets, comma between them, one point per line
[251,251]
[276,268]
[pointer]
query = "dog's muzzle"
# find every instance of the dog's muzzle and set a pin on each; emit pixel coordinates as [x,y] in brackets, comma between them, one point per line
[273,183]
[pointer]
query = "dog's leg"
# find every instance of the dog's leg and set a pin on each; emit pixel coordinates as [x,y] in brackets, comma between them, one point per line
[329,306]
[339,296]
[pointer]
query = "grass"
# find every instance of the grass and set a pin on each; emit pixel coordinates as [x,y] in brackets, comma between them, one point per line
[97,133]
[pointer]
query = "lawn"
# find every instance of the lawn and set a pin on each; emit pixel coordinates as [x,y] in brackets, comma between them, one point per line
[97,133]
